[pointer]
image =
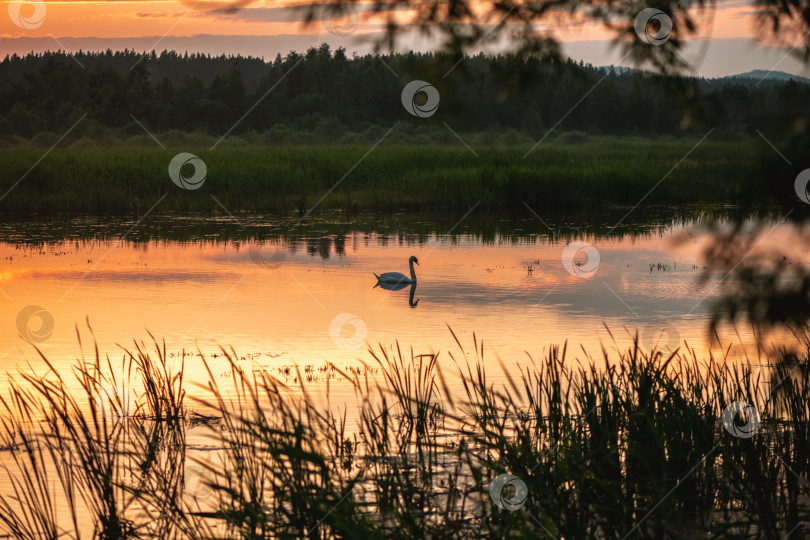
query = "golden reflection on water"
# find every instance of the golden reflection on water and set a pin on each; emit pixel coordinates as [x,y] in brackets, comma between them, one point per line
[319,304]
[314,305]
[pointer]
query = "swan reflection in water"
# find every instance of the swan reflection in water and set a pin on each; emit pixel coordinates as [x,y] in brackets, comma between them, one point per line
[388,286]
[394,281]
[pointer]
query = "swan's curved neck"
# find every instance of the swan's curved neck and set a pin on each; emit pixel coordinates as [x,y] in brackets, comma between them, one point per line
[413,273]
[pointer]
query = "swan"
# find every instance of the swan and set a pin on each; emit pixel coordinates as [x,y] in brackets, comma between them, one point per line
[396,277]
[393,285]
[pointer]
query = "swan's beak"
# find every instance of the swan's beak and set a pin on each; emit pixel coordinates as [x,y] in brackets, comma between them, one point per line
[416,261]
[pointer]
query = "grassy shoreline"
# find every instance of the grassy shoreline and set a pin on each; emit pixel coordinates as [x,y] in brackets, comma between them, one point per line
[420,226]
[606,173]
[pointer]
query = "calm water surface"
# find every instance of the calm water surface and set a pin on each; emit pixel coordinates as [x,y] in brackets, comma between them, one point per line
[310,299]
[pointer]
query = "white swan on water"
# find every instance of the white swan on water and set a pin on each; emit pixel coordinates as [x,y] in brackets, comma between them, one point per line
[397,277]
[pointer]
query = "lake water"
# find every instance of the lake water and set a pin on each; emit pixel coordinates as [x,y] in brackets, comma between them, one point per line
[283,295]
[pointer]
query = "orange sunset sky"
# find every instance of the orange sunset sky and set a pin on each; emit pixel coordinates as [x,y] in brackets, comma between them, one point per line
[264,28]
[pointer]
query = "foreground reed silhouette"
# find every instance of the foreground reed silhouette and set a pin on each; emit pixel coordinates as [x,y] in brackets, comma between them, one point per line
[626,445]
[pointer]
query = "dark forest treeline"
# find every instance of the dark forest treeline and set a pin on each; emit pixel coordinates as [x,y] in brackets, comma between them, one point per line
[325,94]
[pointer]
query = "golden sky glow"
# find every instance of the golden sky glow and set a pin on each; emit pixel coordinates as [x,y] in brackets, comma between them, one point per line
[263,28]
[158,17]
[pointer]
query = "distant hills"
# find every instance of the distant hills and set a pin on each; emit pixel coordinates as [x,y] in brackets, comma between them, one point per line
[760,74]
[755,75]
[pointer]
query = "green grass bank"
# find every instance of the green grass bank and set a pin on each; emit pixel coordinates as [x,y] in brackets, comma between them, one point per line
[554,177]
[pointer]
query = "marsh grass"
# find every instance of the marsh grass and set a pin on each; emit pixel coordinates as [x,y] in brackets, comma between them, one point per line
[625,444]
[554,177]
[103,446]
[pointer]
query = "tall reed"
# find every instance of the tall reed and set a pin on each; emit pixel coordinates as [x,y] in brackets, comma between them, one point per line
[625,444]
[105,445]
